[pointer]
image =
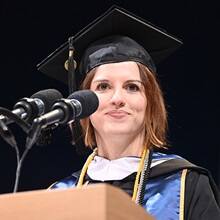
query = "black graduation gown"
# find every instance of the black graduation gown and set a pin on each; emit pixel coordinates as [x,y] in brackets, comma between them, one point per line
[202,197]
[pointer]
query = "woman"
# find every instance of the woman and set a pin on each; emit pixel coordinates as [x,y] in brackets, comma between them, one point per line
[128,126]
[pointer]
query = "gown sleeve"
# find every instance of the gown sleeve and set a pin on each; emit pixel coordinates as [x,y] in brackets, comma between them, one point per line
[201,198]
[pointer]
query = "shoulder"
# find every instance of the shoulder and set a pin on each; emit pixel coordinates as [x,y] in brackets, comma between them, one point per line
[202,197]
[67,182]
[174,163]
[169,163]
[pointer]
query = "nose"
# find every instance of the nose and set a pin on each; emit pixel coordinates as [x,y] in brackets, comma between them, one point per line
[117,98]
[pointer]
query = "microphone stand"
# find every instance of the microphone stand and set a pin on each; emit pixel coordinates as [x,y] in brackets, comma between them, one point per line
[18,170]
[24,125]
[8,136]
[10,139]
[34,133]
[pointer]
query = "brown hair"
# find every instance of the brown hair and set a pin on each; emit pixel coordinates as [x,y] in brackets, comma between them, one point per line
[155,118]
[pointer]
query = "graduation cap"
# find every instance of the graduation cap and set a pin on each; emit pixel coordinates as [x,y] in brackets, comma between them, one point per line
[115,36]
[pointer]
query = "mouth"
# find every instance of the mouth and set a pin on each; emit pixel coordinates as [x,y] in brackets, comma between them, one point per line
[117,114]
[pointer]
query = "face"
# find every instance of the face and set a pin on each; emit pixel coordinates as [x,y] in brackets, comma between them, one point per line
[122,100]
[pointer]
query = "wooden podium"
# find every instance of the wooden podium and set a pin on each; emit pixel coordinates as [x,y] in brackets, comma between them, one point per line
[93,202]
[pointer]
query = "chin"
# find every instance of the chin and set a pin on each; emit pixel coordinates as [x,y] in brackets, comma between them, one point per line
[119,129]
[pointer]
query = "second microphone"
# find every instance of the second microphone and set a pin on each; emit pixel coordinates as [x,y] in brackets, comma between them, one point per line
[78,105]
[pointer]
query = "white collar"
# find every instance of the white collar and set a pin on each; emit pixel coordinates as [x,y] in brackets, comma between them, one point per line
[102,169]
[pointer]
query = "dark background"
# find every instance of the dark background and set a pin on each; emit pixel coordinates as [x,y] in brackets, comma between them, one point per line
[190,77]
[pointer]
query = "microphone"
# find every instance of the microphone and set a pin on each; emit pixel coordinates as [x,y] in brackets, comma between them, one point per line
[78,105]
[29,108]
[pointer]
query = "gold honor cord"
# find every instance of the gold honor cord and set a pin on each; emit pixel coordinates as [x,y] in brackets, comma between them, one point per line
[138,176]
[137,179]
[85,167]
[182,193]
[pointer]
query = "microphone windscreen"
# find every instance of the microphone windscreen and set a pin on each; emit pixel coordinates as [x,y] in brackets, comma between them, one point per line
[48,97]
[89,102]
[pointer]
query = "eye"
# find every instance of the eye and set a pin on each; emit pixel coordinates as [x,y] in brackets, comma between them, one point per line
[132,87]
[103,86]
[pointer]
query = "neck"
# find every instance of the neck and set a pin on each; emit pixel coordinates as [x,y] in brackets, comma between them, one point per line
[117,146]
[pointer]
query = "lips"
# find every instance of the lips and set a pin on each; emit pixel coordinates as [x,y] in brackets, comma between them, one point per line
[118,114]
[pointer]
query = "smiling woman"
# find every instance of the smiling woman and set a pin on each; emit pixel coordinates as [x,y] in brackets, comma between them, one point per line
[121,110]
[132,88]
[117,53]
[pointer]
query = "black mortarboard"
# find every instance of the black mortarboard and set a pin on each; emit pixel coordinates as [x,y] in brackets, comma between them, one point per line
[115,36]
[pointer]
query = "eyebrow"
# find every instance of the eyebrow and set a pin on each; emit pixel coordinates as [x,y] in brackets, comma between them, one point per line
[100,80]
[134,80]
[128,81]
